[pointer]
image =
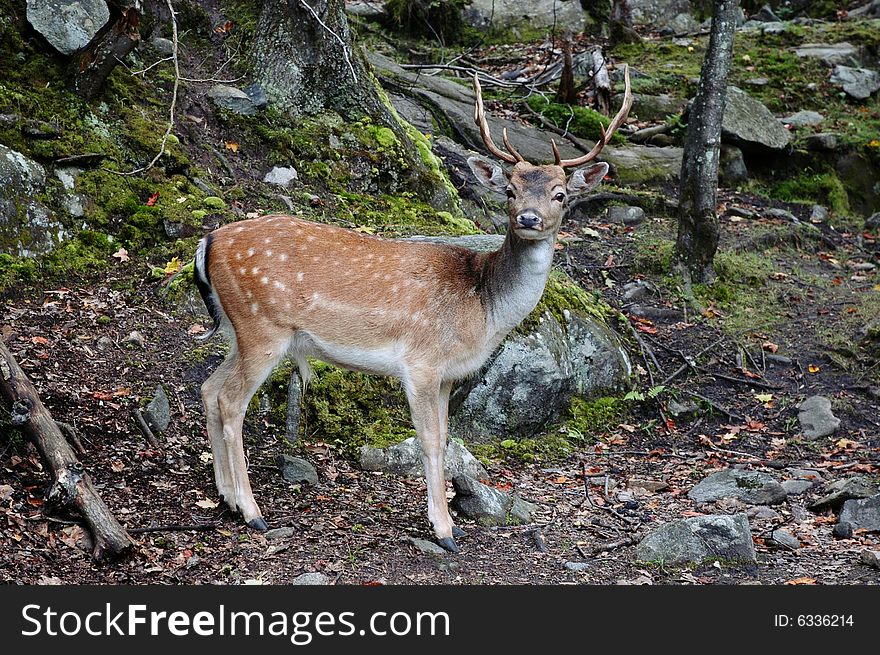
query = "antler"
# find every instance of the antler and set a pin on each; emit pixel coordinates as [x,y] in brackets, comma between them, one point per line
[606,134]
[480,119]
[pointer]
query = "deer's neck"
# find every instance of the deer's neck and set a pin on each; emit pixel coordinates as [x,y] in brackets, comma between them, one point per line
[513,282]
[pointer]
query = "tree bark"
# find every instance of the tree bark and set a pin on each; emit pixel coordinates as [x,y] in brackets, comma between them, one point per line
[697,239]
[72,484]
[304,58]
[91,67]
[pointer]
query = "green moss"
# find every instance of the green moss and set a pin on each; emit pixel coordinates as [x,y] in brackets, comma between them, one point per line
[343,408]
[561,295]
[214,203]
[83,255]
[383,136]
[814,187]
[653,255]
[398,215]
[582,122]
[595,416]
[546,448]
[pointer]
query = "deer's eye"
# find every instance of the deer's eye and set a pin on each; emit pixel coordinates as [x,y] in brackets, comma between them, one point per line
[559,197]
[510,194]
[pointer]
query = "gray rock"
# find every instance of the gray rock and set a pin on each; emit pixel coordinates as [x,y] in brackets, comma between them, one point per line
[27,227]
[577,567]
[312,579]
[367,9]
[104,344]
[257,95]
[873,221]
[636,290]
[839,491]
[732,166]
[427,547]
[134,339]
[758,81]
[697,539]
[157,413]
[277,534]
[682,23]
[281,175]
[803,119]
[816,419]
[797,487]
[863,514]
[759,512]
[752,487]
[821,142]
[781,214]
[405,458]
[162,45]
[742,212]
[231,98]
[68,25]
[296,469]
[489,506]
[625,214]
[766,15]
[858,83]
[517,13]
[651,108]
[786,539]
[829,53]
[870,557]
[818,214]
[777,27]
[749,124]
[842,530]
[682,408]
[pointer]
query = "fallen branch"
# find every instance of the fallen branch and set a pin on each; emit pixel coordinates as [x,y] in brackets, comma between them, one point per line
[145,430]
[72,485]
[174,527]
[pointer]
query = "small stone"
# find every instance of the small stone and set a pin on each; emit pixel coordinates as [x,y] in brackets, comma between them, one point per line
[489,506]
[858,83]
[577,567]
[818,214]
[651,486]
[162,45]
[779,360]
[635,290]
[816,419]
[839,491]
[625,214]
[104,344]
[804,119]
[313,579]
[257,95]
[862,514]
[158,412]
[873,221]
[741,212]
[776,27]
[134,339]
[752,487]
[766,15]
[696,539]
[758,81]
[231,98]
[781,214]
[427,547]
[281,175]
[842,531]
[762,513]
[821,142]
[680,408]
[296,469]
[279,533]
[797,487]
[870,557]
[785,539]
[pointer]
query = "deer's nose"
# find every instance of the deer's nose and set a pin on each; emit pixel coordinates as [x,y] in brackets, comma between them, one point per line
[528,220]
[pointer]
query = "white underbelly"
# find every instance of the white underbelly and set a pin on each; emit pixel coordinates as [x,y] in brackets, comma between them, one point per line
[387,359]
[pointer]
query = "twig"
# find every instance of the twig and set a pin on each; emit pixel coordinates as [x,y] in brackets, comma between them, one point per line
[174,527]
[335,35]
[617,543]
[173,106]
[715,405]
[690,362]
[592,504]
[145,430]
[730,378]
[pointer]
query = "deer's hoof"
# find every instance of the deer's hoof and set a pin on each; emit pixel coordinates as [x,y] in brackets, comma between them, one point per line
[449,544]
[458,532]
[258,524]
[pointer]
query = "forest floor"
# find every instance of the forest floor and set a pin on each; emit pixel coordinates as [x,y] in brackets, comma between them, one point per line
[353,525]
[807,292]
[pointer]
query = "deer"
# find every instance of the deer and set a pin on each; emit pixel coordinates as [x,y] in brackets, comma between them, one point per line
[425,313]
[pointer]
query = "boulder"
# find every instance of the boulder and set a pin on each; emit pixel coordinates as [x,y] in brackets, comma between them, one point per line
[858,83]
[651,108]
[751,487]
[829,54]
[27,227]
[803,119]
[405,458]
[657,13]
[732,169]
[484,14]
[821,142]
[489,506]
[697,539]
[68,25]
[749,124]
[816,419]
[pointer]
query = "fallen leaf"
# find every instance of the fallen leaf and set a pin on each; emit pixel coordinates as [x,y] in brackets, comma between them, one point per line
[763,397]
[812,368]
[232,146]
[117,466]
[769,346]
[206,503]
[173,266]
[152,199]
[196,328]
[801,581]
[43,341]
[121,255]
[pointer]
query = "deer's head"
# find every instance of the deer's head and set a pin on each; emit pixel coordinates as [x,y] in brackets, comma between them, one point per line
[538,195]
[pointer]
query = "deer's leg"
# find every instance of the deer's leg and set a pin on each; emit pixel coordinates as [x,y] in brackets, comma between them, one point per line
[426,407]
[445,390]
[210,392]
[250,368]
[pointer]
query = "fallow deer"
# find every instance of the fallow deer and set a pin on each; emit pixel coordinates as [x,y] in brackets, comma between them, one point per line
[425,313]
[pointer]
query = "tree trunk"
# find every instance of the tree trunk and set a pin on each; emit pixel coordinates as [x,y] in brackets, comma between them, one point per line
[304,59]
[697,219]
[91,67]
[72,484]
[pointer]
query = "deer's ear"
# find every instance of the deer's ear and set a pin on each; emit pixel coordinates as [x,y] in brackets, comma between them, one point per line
[489,175]
[586,178]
